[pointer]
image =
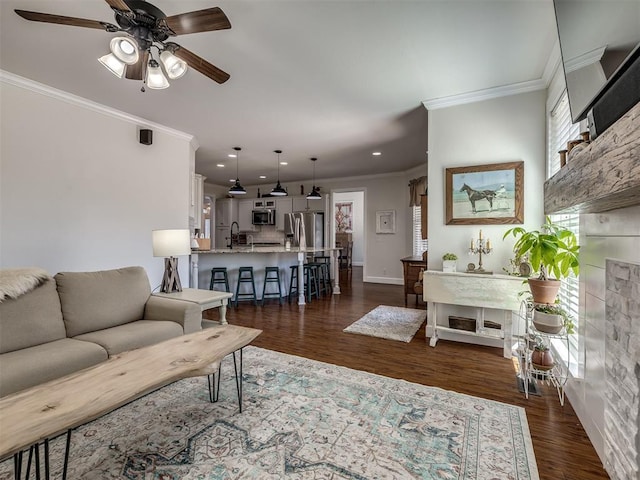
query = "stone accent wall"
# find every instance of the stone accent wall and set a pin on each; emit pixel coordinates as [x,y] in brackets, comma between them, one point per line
[622,370]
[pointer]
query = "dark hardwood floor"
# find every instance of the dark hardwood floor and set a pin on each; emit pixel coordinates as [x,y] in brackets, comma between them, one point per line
[562,448]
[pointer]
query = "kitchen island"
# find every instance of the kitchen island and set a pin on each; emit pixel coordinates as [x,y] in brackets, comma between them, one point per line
[202,261]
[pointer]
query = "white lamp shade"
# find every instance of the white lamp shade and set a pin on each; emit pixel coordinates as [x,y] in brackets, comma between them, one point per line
[171,243]
[112,64]
[174,66]
[125,49]
[155,78]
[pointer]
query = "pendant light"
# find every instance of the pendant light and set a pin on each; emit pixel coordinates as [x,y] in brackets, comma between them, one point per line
[314,194]
[237,189]
[278,191]
[155,78]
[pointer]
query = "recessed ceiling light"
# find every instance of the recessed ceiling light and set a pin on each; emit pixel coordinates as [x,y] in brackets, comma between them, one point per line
[263,176]
[284,163]
[232,155]
[375,154]
[221,165]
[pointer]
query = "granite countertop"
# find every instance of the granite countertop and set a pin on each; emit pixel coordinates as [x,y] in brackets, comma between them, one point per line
[267,249]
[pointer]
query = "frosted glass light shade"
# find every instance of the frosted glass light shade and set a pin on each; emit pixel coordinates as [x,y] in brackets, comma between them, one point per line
[155,78]
[171,243]
[174,66]
[125,50]
[112,64]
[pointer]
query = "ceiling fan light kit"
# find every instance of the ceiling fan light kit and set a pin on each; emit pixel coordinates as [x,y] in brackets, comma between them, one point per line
[125,50]
[142,26]
[112,64]
[174,66]
[155,78]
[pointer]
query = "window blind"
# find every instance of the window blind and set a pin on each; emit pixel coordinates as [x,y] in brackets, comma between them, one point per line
[419,245]
[561,130]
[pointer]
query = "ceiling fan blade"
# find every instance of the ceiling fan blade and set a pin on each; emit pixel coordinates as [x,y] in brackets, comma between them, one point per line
[62,20]
[201,65]
[138,70]
[118,5]
[199,21]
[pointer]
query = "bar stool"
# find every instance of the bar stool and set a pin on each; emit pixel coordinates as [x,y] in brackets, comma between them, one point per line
[310,281]
[326,261]
[245,275]
[272,275]
[219,275]
[320,277]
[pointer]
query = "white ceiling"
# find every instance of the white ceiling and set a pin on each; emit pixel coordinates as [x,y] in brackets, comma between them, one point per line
[330,79]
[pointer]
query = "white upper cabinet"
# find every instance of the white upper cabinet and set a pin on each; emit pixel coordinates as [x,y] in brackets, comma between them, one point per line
[283,205]
[245,209]
[226,212]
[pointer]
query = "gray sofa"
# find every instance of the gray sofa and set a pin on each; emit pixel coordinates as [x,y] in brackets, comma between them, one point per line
[78,319]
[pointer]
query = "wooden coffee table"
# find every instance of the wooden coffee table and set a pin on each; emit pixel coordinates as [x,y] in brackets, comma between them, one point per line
[38,413]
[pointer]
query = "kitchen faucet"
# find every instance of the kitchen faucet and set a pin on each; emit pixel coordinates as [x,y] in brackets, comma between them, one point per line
[231,233]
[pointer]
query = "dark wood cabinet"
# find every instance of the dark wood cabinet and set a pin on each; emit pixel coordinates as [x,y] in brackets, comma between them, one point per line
[412,267]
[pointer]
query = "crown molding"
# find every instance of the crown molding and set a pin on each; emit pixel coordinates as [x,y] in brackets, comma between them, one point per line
[42,89]
[485,94]
[584,60]
[553,64]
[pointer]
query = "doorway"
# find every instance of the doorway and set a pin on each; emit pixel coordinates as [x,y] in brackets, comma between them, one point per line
[347,207]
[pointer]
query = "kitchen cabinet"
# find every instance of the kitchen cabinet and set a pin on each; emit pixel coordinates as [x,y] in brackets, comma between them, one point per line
[226,212]
[300,204]
[283,206]
[245,217]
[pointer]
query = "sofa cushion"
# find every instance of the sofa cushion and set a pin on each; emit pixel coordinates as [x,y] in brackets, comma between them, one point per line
[35,365]
[133,335]
[31,319]
[97,300]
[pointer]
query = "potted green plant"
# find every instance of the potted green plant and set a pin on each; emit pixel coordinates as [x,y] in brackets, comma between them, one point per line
[449,262]
[552,250]
[541,357]
[551,318]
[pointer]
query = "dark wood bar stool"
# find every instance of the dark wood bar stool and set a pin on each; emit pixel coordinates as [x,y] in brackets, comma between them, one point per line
[245,275]
[271,275]
[219,276]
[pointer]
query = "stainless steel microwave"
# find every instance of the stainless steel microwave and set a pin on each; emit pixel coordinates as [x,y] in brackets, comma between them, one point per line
[263,216]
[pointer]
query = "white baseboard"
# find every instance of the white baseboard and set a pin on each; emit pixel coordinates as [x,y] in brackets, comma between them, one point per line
[387,280]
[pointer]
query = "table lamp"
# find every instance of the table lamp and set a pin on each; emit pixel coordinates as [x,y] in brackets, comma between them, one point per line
[170,244]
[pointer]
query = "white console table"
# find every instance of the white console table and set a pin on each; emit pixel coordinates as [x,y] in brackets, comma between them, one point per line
[481,294]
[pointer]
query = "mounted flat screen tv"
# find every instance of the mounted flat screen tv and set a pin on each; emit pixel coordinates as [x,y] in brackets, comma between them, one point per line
[599,39]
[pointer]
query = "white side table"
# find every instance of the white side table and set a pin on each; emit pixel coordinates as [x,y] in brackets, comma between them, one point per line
[205,298]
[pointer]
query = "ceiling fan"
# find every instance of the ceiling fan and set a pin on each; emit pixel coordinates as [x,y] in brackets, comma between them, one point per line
[148,27]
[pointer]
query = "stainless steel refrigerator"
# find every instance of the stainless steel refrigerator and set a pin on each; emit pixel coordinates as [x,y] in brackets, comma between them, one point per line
[306,228]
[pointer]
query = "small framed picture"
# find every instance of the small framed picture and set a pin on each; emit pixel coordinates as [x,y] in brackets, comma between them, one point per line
[386,221]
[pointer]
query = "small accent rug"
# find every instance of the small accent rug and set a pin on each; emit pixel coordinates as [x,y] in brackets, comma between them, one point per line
[302,419]
[393,323]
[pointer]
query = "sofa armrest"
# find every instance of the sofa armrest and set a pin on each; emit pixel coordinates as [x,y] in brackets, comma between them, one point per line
[187,314]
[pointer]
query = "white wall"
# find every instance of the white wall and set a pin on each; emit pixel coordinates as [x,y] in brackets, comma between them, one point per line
[78,191]
[493,131]
[357,222]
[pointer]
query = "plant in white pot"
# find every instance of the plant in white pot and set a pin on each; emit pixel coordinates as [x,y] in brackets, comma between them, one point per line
[551,319]
[449,262]
[552,250]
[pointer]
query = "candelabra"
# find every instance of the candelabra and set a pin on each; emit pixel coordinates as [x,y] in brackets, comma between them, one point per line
[479,247]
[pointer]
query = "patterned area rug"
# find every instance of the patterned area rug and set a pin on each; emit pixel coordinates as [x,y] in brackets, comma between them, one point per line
[393,323]
[301,420]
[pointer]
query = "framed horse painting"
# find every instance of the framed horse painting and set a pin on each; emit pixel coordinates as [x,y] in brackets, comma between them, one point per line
[485,194]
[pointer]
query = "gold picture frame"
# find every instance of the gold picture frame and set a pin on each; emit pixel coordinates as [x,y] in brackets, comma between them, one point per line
[489,194]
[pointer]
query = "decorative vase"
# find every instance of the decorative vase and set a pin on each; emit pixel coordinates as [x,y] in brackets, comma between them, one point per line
[542,359]
[547,322]
[544,291]
[449,266]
